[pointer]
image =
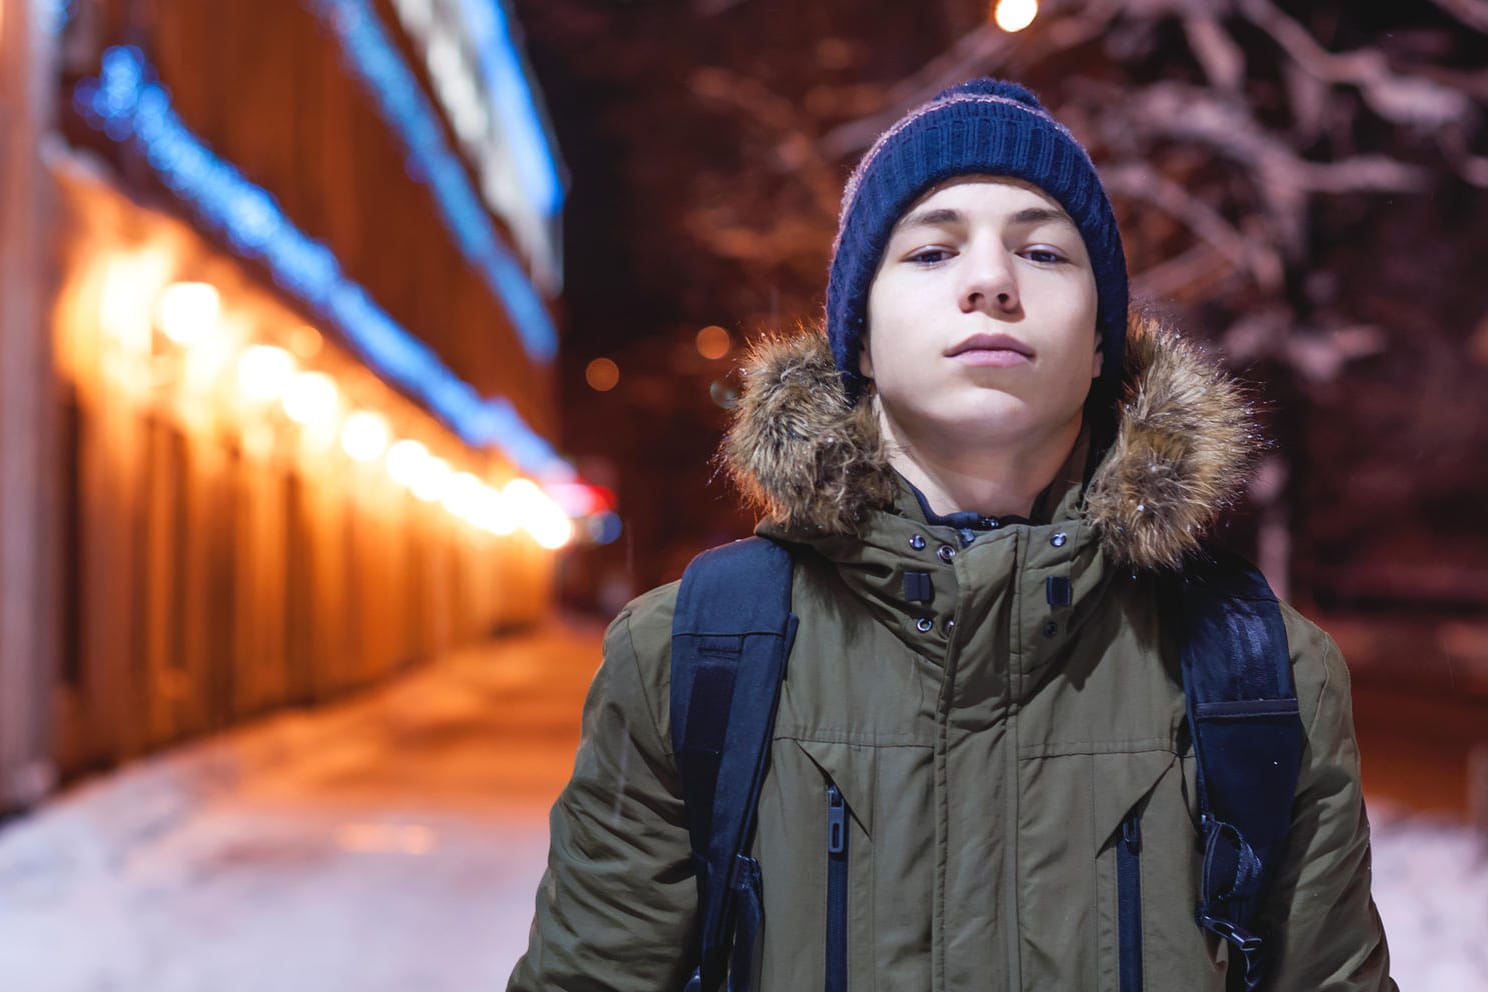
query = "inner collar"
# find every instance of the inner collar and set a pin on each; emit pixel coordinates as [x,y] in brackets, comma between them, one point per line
[961,519]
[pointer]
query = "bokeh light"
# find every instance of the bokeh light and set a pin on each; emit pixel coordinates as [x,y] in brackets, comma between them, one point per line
[537,514]
[602,375]
[365,435]
[188,311]
[433,475]
[494,513]
[1015,15]
[462,496]
[264,372]
[713,342]
[405,461]
[305,341]
[312,399]
[604,528]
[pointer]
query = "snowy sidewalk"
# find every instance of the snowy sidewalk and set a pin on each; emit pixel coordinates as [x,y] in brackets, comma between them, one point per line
[393,843]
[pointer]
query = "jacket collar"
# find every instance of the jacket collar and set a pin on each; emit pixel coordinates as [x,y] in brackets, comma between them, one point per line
[817,467]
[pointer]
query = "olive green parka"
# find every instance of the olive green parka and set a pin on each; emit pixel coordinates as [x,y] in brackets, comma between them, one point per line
[988,744]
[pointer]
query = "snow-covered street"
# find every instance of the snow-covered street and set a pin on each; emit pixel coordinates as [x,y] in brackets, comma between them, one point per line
[393,843]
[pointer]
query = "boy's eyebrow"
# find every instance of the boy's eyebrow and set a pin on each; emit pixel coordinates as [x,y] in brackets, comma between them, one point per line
[945,217]
[1040,215]
[942,217]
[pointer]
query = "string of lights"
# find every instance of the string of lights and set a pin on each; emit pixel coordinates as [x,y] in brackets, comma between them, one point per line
[372,56]
[478,77]
[128,104]
[505,75]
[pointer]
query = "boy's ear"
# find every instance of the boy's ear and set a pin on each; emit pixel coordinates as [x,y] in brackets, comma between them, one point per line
[865,362]
[1099,362]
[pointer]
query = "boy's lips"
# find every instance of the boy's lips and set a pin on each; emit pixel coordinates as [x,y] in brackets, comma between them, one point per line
[991,350]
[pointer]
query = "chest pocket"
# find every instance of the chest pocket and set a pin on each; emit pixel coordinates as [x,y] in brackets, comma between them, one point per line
[1147,864]
[843,868]
[1072,811]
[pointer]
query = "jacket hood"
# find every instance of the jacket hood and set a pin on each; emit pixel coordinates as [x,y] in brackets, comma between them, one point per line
[1185,442]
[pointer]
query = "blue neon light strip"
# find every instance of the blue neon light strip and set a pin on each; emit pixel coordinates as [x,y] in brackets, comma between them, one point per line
[372,55]
[505,76]
[56,14]
[128,105]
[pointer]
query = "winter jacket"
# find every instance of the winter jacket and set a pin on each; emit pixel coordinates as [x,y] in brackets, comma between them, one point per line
[988,744]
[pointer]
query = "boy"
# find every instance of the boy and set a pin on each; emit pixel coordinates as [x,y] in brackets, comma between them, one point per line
[982,424]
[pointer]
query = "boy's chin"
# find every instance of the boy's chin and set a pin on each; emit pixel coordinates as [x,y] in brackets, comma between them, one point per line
[986,420]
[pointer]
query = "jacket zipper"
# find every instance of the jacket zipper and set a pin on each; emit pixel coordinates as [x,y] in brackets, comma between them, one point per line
[1129,900]
[836,971]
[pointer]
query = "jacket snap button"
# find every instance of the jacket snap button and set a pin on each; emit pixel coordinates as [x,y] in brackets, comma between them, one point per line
[917,542]
[946,553]
[923,625]
[1051,628]
[949,626]
[1058,539]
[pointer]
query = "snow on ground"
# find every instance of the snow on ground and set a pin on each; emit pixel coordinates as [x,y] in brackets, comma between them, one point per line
[393,843]
[1431,887]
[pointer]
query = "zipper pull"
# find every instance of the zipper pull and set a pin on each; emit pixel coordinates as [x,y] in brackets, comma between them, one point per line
[1131,832]
[836,821]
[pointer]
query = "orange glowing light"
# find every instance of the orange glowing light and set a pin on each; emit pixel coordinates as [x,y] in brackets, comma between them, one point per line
[365,435]
[305,341]
[312,399]
[433,476]
[187,311]
[1015,15]
[495,514]
[538,514]
[130,291]
[462,496]
[405,461]
[264,372]
[713,342]
[602,375]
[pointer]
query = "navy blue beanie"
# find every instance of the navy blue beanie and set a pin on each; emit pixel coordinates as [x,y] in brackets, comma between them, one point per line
[985,126]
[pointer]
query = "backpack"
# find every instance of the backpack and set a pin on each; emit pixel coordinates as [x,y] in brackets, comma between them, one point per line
[731,636]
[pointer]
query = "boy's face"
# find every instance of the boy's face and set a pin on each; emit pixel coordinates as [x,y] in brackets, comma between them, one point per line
[981,318]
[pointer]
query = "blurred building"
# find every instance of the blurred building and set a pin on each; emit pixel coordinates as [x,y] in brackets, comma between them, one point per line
[279,282]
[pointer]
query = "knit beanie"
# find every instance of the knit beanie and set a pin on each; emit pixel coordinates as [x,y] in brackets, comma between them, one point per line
[985,126]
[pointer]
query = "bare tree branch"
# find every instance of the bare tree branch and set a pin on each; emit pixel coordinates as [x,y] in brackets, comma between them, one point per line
[710,8]
[1137,180]
[1189,114]
[788,239]
[1472,168]
[1222,59]
[1473,13]
[1183,276]
[984,50]
[1399,98]
[779,117]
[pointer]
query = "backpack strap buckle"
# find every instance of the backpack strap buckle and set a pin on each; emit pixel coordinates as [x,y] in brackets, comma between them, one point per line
[1246,943]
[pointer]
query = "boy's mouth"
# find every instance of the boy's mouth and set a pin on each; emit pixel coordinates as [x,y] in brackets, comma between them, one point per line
[991,350]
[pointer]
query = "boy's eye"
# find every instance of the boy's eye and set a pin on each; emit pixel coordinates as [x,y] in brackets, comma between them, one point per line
[1046,256]
[929,256]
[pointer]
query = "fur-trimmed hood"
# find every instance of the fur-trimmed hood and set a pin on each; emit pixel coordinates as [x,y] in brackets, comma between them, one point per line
[1185,442]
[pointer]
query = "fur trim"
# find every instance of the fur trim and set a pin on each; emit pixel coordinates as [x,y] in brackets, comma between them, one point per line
[798,451]
[1184,450]
[1184,447]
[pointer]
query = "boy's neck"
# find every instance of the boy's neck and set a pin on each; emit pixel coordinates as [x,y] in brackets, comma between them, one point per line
[994,482]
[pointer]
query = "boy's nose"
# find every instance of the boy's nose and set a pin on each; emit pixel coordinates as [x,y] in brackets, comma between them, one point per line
[990,285]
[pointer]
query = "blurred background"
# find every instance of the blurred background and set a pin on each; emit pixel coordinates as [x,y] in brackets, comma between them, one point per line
[359,359]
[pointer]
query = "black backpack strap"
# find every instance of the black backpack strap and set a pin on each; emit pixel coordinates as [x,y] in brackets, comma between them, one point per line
[1248,738]
[731,634]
